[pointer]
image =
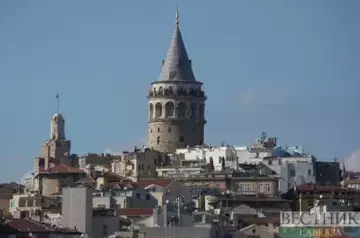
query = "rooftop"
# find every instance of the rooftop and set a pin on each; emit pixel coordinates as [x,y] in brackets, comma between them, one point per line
[30,226]
[177,65]
[61,169]
[136,211]
[158,182]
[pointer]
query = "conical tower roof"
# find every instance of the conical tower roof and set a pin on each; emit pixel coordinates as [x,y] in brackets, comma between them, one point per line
[177,66]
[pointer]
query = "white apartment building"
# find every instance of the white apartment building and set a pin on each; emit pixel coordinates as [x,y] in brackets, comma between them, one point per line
[293,169]
[211,154]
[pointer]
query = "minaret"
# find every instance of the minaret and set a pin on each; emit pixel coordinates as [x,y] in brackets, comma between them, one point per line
[176,101]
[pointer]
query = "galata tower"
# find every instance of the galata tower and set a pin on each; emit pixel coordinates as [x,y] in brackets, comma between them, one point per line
[176,101]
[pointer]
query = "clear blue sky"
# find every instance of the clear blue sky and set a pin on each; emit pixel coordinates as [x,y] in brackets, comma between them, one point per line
[289,68]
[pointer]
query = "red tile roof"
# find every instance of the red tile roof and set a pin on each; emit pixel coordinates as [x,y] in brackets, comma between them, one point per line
[61,169]
[136,212]
[158,182]
[115,177]
[322,188]
[27,225]
[120,185]
[86,180]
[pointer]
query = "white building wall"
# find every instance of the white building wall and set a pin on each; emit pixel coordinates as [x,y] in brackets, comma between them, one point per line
[292,172]
[246,156]
[284,167]
[215,152]
[102,202]
[159,220]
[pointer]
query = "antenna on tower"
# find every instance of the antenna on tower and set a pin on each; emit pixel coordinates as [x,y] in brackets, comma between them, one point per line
[177,15]
[57,103]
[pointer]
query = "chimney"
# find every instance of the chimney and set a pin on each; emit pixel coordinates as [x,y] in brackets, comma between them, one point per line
[165,215]
[271,228]
[203,220]
[155,218]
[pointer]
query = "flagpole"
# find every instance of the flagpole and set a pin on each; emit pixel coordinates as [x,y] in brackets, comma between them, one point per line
[57,103]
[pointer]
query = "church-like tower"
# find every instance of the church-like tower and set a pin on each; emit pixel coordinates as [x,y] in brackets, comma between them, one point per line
[176,102]
[55,150]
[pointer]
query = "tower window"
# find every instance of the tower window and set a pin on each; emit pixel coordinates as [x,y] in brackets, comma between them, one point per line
[169,129]
[182,139]
[158,140]
[158,129]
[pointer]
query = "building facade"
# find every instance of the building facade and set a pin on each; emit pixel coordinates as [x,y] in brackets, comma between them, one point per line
[176,102]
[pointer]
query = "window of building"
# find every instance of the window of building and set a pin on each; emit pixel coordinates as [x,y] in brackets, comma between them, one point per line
[101,206]
[270,162]
[147,196]
[105,230]
[194,129]
[158,140]
[137,195]
[182,139]
[169,129]
[292,173]
[261,188]
[155,162]
[151,131]
[148,167]
[309,172]
[241,187]
[158,129]
[252,236]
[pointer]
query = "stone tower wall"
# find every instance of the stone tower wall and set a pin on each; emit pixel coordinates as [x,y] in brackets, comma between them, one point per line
[57,127]
[169,135]
[176,120]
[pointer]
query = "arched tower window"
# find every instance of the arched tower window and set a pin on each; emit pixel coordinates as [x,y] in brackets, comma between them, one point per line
[182,109]
[169,109]
[193,110]
[161,90]
[158,110]
[170,90]
[151,111]
[201,111]
[158,140]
